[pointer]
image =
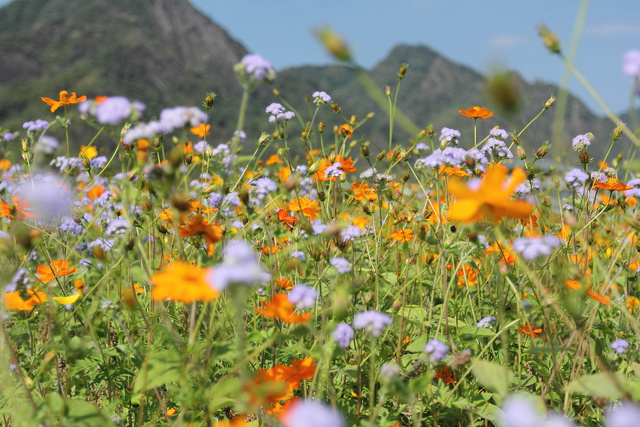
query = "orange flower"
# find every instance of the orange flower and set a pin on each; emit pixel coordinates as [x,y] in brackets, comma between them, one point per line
[445,375]
[182,282]
[57,268]
[573,284]
[13,300]
[452,171]
[632,304]
[309,208]
[284,174]
[476,112]
[5,164]
[64,100]
[467,276]
[273,159]
[402,235]
[278,383]
[16,208]
[345,165]
[491,199]
[529,329]
[284,283]
[280,308]
[604,299]
[95,192]
[612,184]
[286,219]
[345,130]
[200,226]
[201,131]
[362,190]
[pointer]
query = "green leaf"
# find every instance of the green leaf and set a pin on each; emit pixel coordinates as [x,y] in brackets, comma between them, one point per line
[82,413]
[472,332]
[492,376]
[162,368]
[392,278]
[598,385]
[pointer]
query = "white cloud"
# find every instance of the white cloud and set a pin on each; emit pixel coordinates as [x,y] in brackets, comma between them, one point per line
[614,29]
[506,41]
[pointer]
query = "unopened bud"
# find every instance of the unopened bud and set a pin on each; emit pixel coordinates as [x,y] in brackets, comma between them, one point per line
[264,139]
[549,39]
[334,44]
[208,100]
[422,134]
[314,168]
[380,156]
[370,115]
[335,107]
[470,162]
[175,157]
[516,139]
[322,196]
[403,70]
[585,158]
[543,150]
[188,159]
[387,90]
[617,131]
[276,92]
[521,153]
[25,145]
[321,127]
[397,305]
[430,130]
[26,157]
[405,176]
[549,102]
[364,150]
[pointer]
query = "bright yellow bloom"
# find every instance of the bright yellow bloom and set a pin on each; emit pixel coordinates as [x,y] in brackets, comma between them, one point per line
[309,208]
[88,152]
[64,100]
[491,199]
[182,282]
[67,300]
[632,304]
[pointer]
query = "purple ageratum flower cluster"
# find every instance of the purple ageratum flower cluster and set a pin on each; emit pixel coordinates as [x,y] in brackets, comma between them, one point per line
[575,178]
[65,163]
[239,266]
[620,346]
[635,191]
[48,196]
[486,322]
[320,98]
[8,136]
[451,136]
[318,227]
[258,67]
[340,264]
[263,186]
[625,415]
[631,64]
[334,171]
[533,247]
[436,350]
[580,143]
[303,296]
[311,413]
[170,120]
[343,334]
[499,133]
[350,233]
[47,145]
[374,322]
[389,370]
[497,149]
[116,109]
[452,156]
[117,227]
[278,113]
[35,126]
[240,134]
[299,255]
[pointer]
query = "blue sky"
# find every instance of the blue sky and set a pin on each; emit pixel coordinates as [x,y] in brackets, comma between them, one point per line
[479,34]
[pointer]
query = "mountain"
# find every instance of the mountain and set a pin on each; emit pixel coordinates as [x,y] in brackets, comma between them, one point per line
[166,53]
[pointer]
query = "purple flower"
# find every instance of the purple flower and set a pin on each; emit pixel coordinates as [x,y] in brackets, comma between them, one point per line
[278,113]
[533,247]
[575,178]
[299,255]
[116,109]
[436,349]
[311,413]
[520,410]
[620,346]
[631,64]
[374,322]
[485,322]
[497,148]
[343,334]
[303,297]
[257,66]
[450,135]
[48,196]
[625,415]
[239,265]
[145,131]
[8,136]
[390,369]
[369,173]
[340,264]
[47,144]
[201,146]
[320,98]
[34,126]
[333,171]
[117,227]
[421,146]
[580,143]
[350,233]
[263,186]
[499,133]
[240,134]
[318,227]
[180,117]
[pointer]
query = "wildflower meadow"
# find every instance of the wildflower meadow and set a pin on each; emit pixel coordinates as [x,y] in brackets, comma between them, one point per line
[316,278]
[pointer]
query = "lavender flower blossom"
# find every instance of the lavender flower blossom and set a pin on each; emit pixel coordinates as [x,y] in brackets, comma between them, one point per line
[278,113]
[8,136]
[486,322]
[620,346]
[499,133]
[343,334]
[333,171]
[374,322]
[389,370]
[239,265]
[631,64]
[47,145]
[533,247]
[116,109]
[436,349]
[303,296]
[497,149]
[49,198]
[240,134]
[311,413]
[35,126]
[575,178]
[320,98]
[450,135]
[625,415]
[340,264]
[258,67]
[520,410]
[350,233]
[580,143]
[299,255]
[318,227]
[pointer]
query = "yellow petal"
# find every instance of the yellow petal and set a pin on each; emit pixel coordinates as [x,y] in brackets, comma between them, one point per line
[67,300]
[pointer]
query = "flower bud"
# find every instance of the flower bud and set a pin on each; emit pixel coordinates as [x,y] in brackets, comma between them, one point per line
[334,44]
[470,162]
[521,153]
[549,39]
[584,158]
[403,70]
[549,102]
[353,120]
[387,90]
[276,92]
[430,130]
[405,177]
[617,131]
[370,115]
[543,150]
[25,145]
[364,150]
[397,305]
[321,127]
[380,156]
[314,168]
[335,107]
[515,139]
[26,157]
[208,100]
[264,139]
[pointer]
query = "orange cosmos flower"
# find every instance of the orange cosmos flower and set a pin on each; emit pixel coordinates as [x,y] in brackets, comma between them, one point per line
[200,226]
[57,268]
[604,299]
[13,300]
[345,165]
[309,208]
[273,159]
[467,276]
[17,208]
[182,282]
[95,192]
[362,191]
[5,164]
[402,235]
[445,375]
[476,112]
[64,100]
[529,329]
[491,199]
[201,131]
[612,184]
[632,304]
[345,130]
[284,174]
[280,308]
[286,219]
[284,283]
[452,171]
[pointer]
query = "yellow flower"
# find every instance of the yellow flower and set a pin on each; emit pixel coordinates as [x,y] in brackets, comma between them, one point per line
[88,152]
[632,304]
[182,282]
[67,300]
[491,199]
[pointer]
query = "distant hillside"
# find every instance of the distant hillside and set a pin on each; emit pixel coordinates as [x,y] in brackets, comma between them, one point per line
[166,53]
